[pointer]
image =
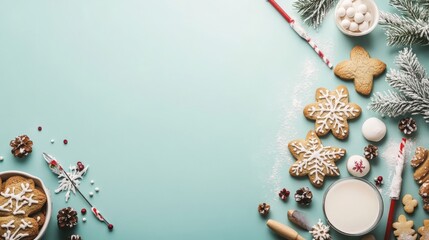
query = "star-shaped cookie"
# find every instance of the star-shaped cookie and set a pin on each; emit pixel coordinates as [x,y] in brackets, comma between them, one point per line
[331,112]
[314,159]
[360,68]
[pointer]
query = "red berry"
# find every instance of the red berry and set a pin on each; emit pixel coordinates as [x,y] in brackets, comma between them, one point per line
[83,211]
[380,178]
[65,141]
[39,128]
[110,226]
[80,166]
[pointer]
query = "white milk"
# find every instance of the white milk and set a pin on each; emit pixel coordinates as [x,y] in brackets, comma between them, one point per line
[353,206]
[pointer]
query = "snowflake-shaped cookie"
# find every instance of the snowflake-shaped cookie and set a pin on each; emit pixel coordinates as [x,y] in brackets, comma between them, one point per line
[404,229]
[314,159]
[331,112]
[320,231]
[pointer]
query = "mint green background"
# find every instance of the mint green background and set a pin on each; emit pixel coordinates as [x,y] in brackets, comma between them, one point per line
[177,106]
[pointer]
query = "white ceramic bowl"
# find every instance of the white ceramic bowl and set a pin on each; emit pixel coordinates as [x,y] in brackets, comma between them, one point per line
[39,183]
[372,8]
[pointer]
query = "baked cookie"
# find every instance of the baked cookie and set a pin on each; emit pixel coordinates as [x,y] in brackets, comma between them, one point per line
[12,227]
[40,218]
[420,162]
[409,203]
[404,229]
[331,112]
[20,197]
[313,159]
[424,230]
[360,68]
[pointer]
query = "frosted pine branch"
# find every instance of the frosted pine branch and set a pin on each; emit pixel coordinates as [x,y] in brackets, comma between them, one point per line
[412,84]
[313,11]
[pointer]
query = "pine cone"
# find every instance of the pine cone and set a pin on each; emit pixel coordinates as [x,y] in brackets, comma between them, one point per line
[370,152]
[264,209]
[67,217]
[21,146]
[407,126]
[303,196]
[74,237]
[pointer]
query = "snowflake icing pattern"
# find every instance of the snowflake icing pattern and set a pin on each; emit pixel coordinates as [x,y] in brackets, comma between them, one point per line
[16,235]
[19,199]
[320,231]
[359,167]
[314,159]
[331,111]
[65,185]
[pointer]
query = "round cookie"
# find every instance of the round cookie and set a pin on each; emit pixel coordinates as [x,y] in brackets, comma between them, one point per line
[373,129]
[358,166]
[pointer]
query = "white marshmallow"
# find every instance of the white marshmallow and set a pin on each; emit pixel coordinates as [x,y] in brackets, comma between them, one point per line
[353,27]
[362,8]
[358,166]
[359,17]
[345,23]
[368,17]
[363,26]
[341,12]
[373,129]
[350,12]
[347,3]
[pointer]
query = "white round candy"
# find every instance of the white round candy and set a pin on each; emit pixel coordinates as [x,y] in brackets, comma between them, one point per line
[368,17]
[358,166]
[362,8]
[359,17]
[345,23]
[363,26]
[347,3]
[83,219]
[91,194]
[350,12]
[353,27]
[1,158]
[373,129]
[92,182]
[97,189]
[341,12]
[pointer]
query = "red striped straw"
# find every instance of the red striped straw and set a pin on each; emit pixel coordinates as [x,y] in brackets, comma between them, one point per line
[301,32]
[395,188]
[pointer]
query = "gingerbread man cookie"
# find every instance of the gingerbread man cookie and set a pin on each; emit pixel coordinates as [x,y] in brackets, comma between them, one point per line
[404,229]
[360,68]
[314,159]
[409,203]
[331,112]
[424,230]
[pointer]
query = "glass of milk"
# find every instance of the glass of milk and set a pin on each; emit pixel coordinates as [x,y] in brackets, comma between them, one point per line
[353,206]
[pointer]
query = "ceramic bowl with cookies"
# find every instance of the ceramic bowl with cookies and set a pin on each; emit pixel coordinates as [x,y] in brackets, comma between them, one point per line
[25,206]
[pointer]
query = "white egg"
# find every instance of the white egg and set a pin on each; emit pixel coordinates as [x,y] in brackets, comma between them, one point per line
[345,23]
[368,17]
[346,4]
[362,8]
[363,26]
[341,12]
[353,27]
[359,17]
[350,12]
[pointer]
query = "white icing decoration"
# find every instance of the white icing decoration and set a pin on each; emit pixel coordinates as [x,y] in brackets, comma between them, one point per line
[38,218]
[333,111]
[20,199]
[320,231]
[316,159]
[66,185]
[8,235]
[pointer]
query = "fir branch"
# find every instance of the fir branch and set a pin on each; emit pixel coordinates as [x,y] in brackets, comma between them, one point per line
[404,30]
[313,11]
[412,84]
[410,28]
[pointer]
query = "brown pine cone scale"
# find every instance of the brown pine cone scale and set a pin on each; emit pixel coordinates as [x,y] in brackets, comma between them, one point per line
[67,217]
[21,146]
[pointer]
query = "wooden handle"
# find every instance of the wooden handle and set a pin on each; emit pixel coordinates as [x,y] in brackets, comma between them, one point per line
[283,230]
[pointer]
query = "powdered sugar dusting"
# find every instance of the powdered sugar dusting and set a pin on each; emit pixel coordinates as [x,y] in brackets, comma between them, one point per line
[389,155]
[302,94]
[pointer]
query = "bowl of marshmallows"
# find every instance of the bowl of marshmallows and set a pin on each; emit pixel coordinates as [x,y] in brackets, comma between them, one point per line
[356,17]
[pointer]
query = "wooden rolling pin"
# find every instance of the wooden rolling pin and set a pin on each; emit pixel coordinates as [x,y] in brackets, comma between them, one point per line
[283,230]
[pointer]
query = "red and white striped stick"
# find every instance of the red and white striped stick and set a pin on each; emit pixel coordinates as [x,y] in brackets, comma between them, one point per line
[395,188]
[301,32]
